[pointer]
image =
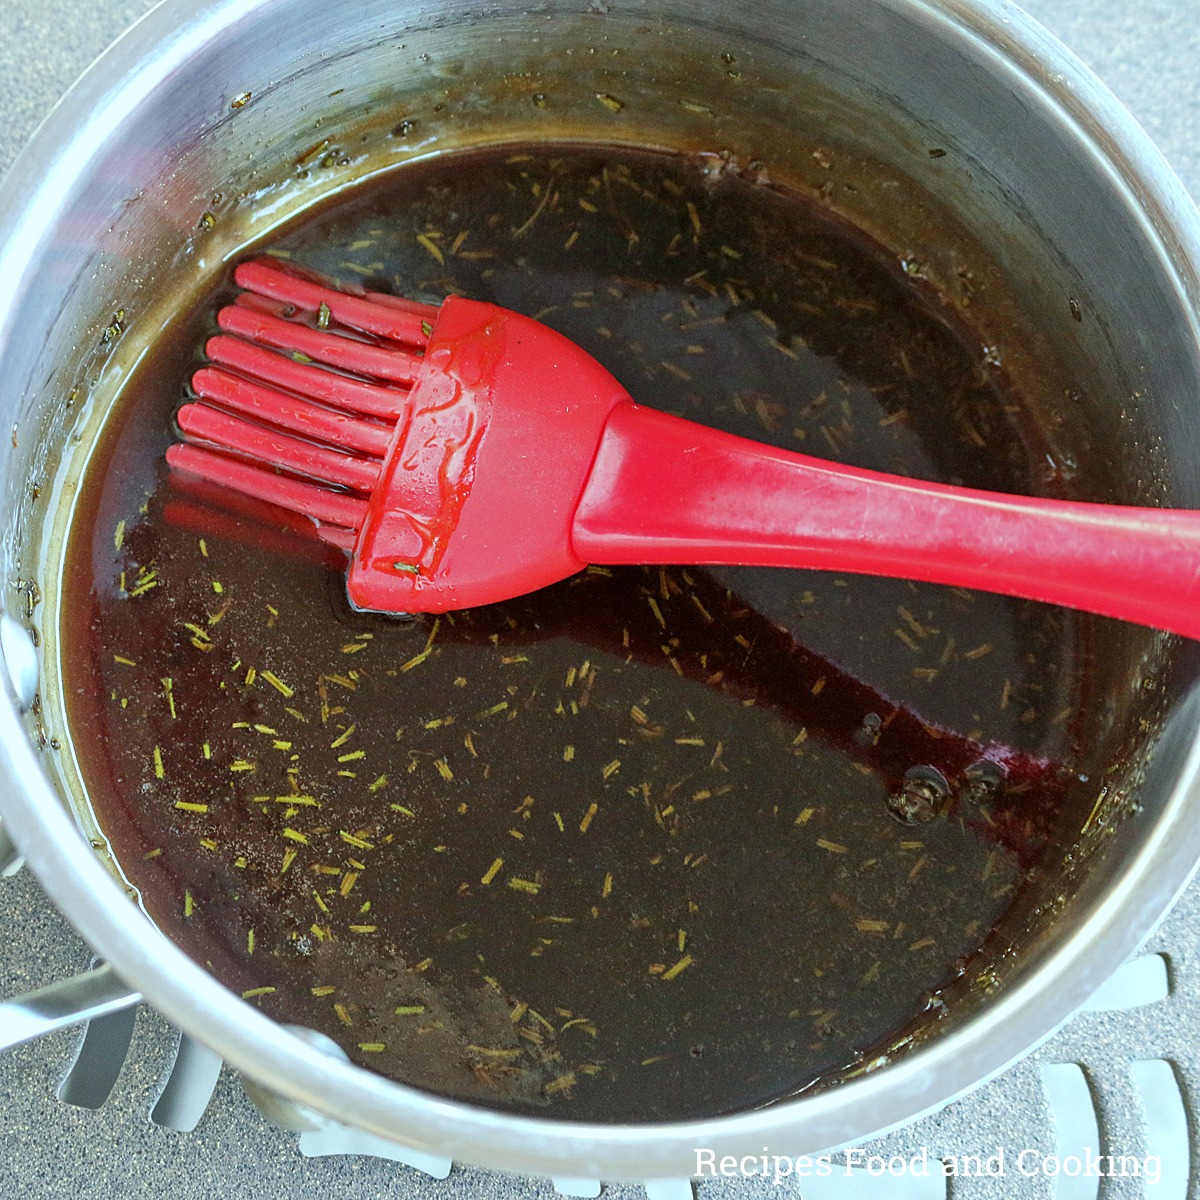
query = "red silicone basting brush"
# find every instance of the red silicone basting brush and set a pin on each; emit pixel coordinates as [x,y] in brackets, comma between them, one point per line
[465,454]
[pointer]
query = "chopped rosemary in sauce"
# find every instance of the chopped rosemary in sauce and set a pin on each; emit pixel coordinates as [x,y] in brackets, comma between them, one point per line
[542,845]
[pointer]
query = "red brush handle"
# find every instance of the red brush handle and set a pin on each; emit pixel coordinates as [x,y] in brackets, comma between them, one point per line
[667,490]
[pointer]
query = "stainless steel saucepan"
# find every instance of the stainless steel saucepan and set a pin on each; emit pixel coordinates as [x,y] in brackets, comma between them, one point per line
[955,131]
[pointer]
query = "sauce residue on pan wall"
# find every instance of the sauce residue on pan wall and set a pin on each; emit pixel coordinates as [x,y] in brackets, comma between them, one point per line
[653,843]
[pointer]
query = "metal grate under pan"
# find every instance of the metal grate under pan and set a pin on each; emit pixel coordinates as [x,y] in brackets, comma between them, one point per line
[125,1109]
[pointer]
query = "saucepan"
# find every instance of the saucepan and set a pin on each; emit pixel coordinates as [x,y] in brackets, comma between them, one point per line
[956,133]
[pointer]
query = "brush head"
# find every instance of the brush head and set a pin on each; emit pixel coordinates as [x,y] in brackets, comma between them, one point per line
[446,448]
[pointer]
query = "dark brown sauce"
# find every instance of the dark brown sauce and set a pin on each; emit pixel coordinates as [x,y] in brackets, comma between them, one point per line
[628,848]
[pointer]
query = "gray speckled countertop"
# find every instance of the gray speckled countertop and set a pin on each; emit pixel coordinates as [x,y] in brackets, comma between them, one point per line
[1148,51]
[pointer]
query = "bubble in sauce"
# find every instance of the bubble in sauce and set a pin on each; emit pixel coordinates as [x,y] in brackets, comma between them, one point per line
[984,780]
[922,797]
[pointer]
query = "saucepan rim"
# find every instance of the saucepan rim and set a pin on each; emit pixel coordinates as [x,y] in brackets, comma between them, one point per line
[189,997]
